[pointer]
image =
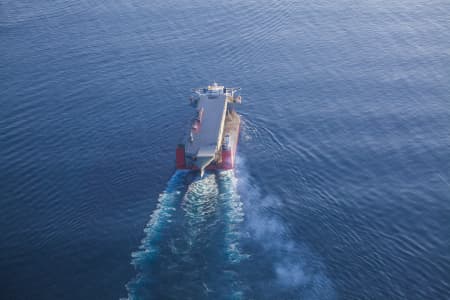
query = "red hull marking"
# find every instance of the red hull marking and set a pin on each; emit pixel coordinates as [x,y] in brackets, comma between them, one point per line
[227,159]
[180,159]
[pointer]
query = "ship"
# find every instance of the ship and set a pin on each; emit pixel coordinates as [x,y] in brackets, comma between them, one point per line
[211,140]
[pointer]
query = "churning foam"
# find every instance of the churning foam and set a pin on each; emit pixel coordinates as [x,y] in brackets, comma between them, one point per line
[233,215]
[234,206]
[296,271]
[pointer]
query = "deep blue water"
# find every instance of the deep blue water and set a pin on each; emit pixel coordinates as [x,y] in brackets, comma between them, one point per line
[342,189]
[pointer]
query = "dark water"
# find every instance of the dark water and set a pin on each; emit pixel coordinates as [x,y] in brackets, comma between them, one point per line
[342,189]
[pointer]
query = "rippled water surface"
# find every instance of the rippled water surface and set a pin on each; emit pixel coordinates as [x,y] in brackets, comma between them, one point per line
[342,189]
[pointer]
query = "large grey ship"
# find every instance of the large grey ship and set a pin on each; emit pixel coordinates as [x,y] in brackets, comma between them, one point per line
[213,135]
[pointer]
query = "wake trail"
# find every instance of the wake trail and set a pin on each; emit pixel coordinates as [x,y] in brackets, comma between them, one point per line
[191,258]
[159,220]
[224,242]
[207,243]
[233,216]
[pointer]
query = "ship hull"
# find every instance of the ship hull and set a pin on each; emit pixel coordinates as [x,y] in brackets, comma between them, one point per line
[213,137]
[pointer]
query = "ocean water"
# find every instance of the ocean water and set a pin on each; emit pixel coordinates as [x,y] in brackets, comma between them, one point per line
[342,187]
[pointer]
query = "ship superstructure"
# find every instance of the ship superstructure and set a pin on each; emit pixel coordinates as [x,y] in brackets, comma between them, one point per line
[213,135]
